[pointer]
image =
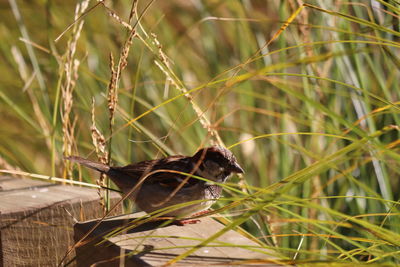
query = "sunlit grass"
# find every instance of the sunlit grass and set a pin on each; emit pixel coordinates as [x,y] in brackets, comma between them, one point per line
[307,98]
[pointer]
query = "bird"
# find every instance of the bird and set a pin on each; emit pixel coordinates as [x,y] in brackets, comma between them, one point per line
[162,183]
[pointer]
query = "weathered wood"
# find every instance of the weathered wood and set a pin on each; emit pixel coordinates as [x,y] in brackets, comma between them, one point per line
[37,218]
[150,244]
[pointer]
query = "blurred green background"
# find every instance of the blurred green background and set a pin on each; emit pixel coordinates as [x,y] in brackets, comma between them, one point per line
[309,88]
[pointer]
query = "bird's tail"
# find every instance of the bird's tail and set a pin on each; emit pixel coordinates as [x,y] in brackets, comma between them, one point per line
[90,164]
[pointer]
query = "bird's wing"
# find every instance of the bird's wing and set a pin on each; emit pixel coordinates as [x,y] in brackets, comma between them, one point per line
[161,171]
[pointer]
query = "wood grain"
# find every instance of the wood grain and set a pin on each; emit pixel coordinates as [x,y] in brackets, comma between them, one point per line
[152,244]
[37,218]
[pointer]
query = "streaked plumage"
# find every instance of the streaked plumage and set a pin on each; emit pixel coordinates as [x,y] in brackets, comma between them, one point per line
[157,187]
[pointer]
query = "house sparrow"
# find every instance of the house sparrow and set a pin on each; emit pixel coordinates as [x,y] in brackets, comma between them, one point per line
[159,189]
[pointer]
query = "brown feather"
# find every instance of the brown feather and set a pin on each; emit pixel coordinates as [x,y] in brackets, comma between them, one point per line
[156,181]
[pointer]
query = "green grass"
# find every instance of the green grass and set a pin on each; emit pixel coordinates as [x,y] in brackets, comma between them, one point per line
[307,98]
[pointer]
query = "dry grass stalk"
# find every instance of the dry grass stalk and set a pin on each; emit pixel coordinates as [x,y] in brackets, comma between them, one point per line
[114,15]
[70,68]
[7,166]
[112,96]
[98,139]
[171,77]
[165,66]
[23,72]
[67,126]
[116,72]
[100,145]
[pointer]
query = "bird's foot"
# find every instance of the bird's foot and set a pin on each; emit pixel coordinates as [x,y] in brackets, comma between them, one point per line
[186,221]
[193,219]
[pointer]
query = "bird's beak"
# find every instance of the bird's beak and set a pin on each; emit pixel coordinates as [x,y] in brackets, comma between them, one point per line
[235,167]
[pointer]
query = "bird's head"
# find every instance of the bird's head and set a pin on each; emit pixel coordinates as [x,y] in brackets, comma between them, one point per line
[216,163]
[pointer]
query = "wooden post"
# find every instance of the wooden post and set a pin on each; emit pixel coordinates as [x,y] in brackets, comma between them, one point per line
[37,218]
[119,241]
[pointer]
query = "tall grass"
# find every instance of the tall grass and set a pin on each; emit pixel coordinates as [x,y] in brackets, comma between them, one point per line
[305,93]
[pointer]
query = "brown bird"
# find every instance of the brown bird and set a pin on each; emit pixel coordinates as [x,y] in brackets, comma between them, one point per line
[168,181]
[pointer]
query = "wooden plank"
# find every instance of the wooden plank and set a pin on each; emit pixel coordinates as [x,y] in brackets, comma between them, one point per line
[8,183]
[37,218]
[150,244]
